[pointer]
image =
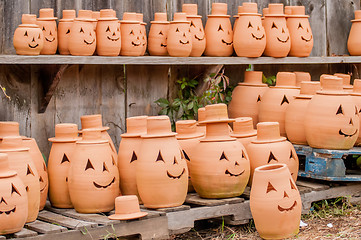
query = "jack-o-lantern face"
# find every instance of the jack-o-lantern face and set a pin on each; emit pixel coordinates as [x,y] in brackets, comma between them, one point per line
[82,40]
[174,171]
[301,36]
[157,40]
[350,129]
[104,182]
[197,30]
[131,39]
[43,182]
[50,33]
[281,32]
[234,168]
[291,161]
[28,41]
[278,41]
[286,201]
[108,38]
[221,42]
[179,42]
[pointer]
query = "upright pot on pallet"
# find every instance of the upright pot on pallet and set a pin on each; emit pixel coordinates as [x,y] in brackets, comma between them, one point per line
[356,95]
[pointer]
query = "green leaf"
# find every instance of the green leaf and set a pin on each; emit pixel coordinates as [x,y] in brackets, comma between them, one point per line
[162,102]
[212,75]
[190,105]
[164,111]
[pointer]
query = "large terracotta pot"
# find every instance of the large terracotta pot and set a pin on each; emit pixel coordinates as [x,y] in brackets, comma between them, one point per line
[64,31]
[243,130]
[219,32]
[300,31]
[143,33]
[82,39]
[354,40]
[332,118]
[179,42]
[249,35]
[93,175]
[129,150]
[21,162]
[201,117]
[356,96]
[219,166]
[108,34]
[347,87]
[197,30]
[62,148]
[28,37]
[247,96]
[276,99]
[275,202]
[130,31]
[295,113]
[278,43]
[14,199]
[162,174]
[47,23]
[157,39]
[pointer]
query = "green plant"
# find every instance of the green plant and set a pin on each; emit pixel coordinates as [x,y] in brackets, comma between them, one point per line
[271,81]
[340,206]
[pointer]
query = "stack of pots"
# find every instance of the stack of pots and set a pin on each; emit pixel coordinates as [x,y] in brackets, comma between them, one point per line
[243,130]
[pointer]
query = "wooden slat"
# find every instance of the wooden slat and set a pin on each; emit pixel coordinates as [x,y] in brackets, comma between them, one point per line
[25,233]
[44,227]
[193,198]
[91,217]
[312,185]
[38,4]
[174,209]
[63,221]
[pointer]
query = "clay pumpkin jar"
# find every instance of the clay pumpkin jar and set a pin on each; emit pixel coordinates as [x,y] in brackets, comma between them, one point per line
[276,99]
[179,42]
[93,175]
[130,34]
[143,33]
[95,17]
[129,150]
[247,96]
[332,117]
[162,173]
[197,30]
[275,202]
[108,34]
[47,23]
[240,10]
[64,31]
[278,42]
[354,41]
[63,146]
[201,117]
[14,199]
[243,130]
[346,78]
[219,32]
[302,77]
[157,39]
[220,166]
[249,36]
[356,95]
[28,37]
[295,113]
[82,39]
[21,162]
[300,31]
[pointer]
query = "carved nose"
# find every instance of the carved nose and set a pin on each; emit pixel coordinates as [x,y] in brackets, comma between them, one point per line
[113,33]
[285,195]
[351,122]
[50,33]
[175,161]
[184,34]
[283,31]
[258,28]
[33,40]
[138,38]
[236,164]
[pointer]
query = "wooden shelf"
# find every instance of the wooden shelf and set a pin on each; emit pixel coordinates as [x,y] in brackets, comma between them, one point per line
[153,60]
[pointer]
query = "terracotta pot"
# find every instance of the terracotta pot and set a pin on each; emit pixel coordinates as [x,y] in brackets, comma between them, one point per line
[219,167]
[274,201]
[162,174]
[354,40]
[356,96]
[14,200]
[347,87]
[201,117]
[64,31]
[270,147]
[126,208]
[332,118]
[295,113]
[265,11]
[300,32]
[82,39]
[302,77]
[243,130]
[143,33]
[276,99]
[197,30]
[28,37]
[219,32]
[240,10]
[249,35]
[47,23]
[247,96]
[21,162]
[95,16]
[130,31]
[278,42]
[179,42]
[93,175]
[157,39]
[62,148]
[129,150]
[108,33]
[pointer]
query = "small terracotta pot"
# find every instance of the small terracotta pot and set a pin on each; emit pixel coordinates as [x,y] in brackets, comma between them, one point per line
[197,30]
[95,16]
[201,117]
[276,99]
[46,22]
[82,39]
[247,96]
[126,208]
[243,130]
[302,77]
[62,148]
[143,33]
[157,39]
[21,162]
[356,95]
[278,42]
[131,35]
[64,31]
[274,201]
[108,34]
[249,35]
[347,87]
[332,118]
[295,113]
[28,37]
[300,32]
[14,200]
[265,11]
[354,40]
[240,10]
[162,174]
[219,32]
[179,42]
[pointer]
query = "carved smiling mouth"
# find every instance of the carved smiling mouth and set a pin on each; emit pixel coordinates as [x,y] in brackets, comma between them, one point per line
[198,38]
[283,41]
[105,186]
[227,43]
[307,40]
[187,42]
[49,40]
[233,175]
[42,190]
[346,135]
[112,39]
[287,209]
[257,38]
[33,46]
[89,43]
[135,44]
[176,177]
[163,45]
[8,212]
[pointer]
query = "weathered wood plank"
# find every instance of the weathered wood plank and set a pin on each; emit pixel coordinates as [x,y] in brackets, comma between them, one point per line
[63,221]
[174,209]
[264,3]
[96,218]
[312,185]
[25,233]
[194,198]
[43,227]
[38,4]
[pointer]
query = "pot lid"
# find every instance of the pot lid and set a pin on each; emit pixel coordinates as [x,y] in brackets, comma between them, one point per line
[248,8]
[92,121]
[85,15]
[130,17]
[268,132]
[201,115]
[253,78]
[187,129]
[243,127]
[308,89]
[140,18]
[65,132]
[331,85]
[126,208]
[28,20]
[275,10]
[107,15]
[180,17]
[160,17]
[219,10]
[68,16]
[302,77]
[5,170]
[46,14]
[216,113]
[357,16]
[8,129]
[136,126]
[92,136]
[12,144]
[158,126]
[295,12]
[286,80]
[356,87]
[346,80]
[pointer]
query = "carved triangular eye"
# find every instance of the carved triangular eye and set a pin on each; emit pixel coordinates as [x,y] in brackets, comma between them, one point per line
[3,201]
[192,24]
[284,100]
[299,26]
[220,28]
[186,155]
[292,185]
[274,25]
[134,157]
[67,32]
[177,30]
[250,25]
[41,179]
[285,195]
[356,112]
[175,161]
[13,189]
[271,157]
[159,158]
[26,33]
[81,30]
[89,165]
[223,156]
[105,167]
[43,28]
[243,155]
[108,29]
[339,110]
[259,98]
[65,159]
[29,171]
[270,188]
[131,33]
[160,33]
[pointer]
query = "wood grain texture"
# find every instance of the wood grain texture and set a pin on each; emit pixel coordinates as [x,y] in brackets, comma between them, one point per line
[43,227]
